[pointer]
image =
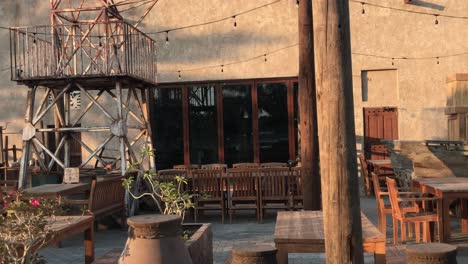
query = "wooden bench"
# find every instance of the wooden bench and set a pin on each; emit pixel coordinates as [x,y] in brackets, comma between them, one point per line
[302,232]
[106,197]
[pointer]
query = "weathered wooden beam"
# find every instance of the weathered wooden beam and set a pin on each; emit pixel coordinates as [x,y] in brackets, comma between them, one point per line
[88,149]
[52,155]
[26,140]
[56,99]
[88,107]
[308,110]
[106,113]
[103,144]
[56,153]
[75,129]
[338,162]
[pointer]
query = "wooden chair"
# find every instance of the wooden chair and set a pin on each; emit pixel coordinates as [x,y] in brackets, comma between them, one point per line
[295,187]
[245,165]
[106,197]
[243,191]
[273,189]
[274,165]
[404,216]
[214,166]
[366,175]
[8,185]
[208,185]
[187,168]
[170,174]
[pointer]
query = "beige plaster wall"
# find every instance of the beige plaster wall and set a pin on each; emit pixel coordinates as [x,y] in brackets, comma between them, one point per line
[420,86]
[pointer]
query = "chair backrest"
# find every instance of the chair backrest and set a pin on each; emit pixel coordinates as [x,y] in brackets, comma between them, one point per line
[186,167]
[106,194]
[170,174]
[273,182]
[245,165]
[8,185]
[364,167]
[295,180]
[393,194]
[214,166]
[274,165]
[243,182]
[378,190]
[208,182]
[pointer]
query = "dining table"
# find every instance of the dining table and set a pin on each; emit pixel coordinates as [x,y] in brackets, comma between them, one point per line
[58,190]
[448,189]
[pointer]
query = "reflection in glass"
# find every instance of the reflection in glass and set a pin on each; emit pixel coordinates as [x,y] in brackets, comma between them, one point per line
[237,113]
[203,125]
[273,122]
[168,127]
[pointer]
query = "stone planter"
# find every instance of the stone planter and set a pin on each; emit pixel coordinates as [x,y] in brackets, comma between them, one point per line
[200,244]
[155,239]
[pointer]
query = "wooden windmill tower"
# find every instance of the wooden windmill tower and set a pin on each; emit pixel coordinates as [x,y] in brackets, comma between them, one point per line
[89,49]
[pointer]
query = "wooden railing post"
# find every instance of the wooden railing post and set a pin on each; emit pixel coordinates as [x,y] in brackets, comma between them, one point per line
[338,162]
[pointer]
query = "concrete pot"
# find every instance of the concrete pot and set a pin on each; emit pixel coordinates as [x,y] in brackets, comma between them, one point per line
[155,239]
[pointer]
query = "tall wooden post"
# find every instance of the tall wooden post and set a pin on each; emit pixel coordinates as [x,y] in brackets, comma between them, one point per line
[340,196]
[308,110]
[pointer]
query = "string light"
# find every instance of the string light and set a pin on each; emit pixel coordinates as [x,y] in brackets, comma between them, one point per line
[393,61]
[436,21]
[437,60]
[180,75]
[34,40]
[363,10]
[100,42]
[235,22]
[297,3]
[222,68]
[265,57]
[167,38]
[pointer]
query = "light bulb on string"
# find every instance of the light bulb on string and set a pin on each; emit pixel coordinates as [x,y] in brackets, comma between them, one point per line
[265,56]
[393,61]
[363,10]
[167,38]
[438,60]
[222,68]
[180,76]
[34,40]
[100,41]
[297,3]
[234,25]
[436,20]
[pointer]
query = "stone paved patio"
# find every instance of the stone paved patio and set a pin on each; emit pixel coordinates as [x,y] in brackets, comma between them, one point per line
[244,229]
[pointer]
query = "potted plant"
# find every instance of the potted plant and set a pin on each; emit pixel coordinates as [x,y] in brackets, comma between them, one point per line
[171,198]
[24,227]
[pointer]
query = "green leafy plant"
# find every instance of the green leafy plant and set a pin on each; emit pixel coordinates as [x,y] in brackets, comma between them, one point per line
[169,197]
[25,227]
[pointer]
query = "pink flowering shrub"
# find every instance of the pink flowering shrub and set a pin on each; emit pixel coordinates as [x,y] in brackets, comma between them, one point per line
[24,226]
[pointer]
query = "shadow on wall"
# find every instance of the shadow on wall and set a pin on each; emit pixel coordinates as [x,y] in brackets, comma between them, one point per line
[427,4]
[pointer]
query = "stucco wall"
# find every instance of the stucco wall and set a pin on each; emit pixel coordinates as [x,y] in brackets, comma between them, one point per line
[420,86]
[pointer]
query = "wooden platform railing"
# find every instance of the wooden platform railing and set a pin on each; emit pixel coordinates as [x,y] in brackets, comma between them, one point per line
[92,49]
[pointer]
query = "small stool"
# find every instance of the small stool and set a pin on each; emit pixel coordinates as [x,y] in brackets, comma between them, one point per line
[252,254]
[431,253]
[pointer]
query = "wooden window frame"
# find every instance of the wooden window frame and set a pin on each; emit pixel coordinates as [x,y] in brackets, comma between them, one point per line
[292,137]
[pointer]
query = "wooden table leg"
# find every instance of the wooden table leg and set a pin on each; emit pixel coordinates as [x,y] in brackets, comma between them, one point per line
[379,255]
[281,255]
[464,220]
[89,244]
[445,230]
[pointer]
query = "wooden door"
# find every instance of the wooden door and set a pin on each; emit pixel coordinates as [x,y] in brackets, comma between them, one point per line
[379,123]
